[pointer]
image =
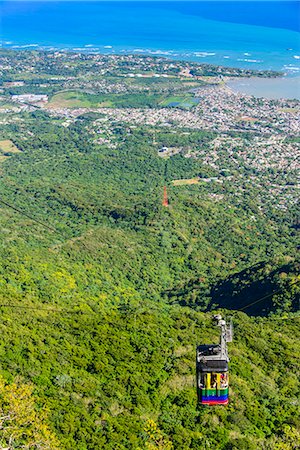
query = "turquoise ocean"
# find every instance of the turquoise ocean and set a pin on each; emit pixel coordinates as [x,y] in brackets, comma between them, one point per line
[263,35]
[247,34]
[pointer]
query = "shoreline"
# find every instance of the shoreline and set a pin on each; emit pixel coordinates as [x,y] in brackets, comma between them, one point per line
[267,84]
[167,55]
[289,65]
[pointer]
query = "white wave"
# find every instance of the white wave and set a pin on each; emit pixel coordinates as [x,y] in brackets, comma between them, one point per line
[25,46]
[250,60]
[160,52]
[296,56]
[203,54]
[247,54]
[296,69]
[107,46]
[89,45]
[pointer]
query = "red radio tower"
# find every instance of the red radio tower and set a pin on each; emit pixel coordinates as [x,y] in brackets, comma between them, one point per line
[165,199]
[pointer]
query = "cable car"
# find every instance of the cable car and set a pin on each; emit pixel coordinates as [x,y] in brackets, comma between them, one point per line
[212,368]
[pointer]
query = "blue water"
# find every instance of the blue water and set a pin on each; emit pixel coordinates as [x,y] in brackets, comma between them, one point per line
[253,34]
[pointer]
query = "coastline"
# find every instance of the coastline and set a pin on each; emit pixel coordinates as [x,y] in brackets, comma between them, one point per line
[265,38]
[269,84]
[288,63]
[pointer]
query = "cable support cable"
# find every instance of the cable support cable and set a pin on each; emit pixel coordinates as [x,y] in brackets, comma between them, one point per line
[267,296]
[39,222]
[30,217]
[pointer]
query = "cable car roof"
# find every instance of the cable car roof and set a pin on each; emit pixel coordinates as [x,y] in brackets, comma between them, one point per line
[210,358]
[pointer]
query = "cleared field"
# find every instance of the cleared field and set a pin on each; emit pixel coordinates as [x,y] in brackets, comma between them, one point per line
[185,182]
[76,99]
[247,119]
[191,83]
[6,105]
[290,110]
[73,99]
[7,146]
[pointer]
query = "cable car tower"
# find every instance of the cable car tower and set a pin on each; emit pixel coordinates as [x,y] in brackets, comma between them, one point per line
[212,368]
[165,201]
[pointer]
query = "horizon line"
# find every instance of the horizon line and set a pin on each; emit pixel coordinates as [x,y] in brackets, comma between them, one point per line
[149,1]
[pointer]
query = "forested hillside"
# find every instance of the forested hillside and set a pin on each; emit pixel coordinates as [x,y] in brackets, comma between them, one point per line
[105,292]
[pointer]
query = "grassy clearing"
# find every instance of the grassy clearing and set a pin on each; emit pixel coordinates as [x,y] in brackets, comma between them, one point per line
[191,83]
[71,99]
[185,182]
[6,104]
[7,146]
[289,110]
[75,99]
[247,119]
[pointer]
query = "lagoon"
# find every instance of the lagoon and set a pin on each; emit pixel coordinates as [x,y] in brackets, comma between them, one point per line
[271,88]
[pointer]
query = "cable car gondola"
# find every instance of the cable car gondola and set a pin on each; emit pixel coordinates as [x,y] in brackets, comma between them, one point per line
[212,368]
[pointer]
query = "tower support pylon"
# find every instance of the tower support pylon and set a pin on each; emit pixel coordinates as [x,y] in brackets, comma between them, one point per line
[165,198]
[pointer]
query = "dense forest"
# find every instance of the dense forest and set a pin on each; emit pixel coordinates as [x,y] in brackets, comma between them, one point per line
[105,294]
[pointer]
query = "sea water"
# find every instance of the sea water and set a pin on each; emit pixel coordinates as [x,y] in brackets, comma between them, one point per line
[245,34]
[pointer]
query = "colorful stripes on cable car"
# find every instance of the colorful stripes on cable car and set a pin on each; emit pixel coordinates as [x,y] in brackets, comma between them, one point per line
[214,389]
[214,396]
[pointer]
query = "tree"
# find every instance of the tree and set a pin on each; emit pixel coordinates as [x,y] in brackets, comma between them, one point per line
[21,424]
[155,438]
